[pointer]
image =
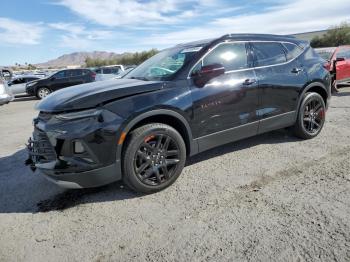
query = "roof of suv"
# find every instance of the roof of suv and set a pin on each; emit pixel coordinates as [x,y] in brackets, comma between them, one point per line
[248,37]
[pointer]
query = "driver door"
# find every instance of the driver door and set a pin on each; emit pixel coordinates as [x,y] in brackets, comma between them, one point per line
[225,107]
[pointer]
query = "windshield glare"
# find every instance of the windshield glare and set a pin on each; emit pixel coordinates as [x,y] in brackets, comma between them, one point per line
[163,65]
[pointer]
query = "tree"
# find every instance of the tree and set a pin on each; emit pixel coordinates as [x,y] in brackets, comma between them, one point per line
[335,36]
[126,59]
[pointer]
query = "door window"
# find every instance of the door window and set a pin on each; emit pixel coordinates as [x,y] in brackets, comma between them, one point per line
[293,50]
[233,56]
[61,74]
[268,53]
[18,81]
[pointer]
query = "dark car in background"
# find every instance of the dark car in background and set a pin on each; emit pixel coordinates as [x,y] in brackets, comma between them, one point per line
[338,63]
[61,79]
[180,102]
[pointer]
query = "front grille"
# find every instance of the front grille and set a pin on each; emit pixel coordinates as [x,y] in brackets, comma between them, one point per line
[40,149]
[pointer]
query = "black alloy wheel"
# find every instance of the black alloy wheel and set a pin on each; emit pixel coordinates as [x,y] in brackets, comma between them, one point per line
[153,157]
[314,116]
[156,159]
[311,116]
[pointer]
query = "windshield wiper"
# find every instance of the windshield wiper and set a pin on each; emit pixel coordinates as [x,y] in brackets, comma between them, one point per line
[139,78]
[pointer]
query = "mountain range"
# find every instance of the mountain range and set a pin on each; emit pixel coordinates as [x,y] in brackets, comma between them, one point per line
[78,58]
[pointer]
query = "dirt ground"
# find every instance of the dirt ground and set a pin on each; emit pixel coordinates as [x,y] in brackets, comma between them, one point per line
[268,198]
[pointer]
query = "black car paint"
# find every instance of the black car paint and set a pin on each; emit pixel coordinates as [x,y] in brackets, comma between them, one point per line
[226,109]
[53,83]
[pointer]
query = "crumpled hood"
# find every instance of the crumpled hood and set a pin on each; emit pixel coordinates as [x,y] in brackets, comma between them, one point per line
[92,94]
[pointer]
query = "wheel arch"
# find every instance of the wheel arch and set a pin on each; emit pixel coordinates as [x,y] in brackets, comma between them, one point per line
[316,87]
[168,117]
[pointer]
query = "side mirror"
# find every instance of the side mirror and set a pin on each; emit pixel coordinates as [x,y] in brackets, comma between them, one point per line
[340,59]
[208,72]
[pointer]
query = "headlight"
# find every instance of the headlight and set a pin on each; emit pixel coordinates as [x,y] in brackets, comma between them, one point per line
[80,114]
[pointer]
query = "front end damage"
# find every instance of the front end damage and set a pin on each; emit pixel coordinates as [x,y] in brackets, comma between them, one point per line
[76,149]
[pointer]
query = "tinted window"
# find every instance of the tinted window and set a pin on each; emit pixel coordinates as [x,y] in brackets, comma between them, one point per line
[344,53]
[232,56]
[269,53]
[77,72]
[292,50]
[18,81]
[107,71]
[61,74]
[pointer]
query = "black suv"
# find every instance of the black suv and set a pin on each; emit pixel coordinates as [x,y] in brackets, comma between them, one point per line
[182,101]
[64,78]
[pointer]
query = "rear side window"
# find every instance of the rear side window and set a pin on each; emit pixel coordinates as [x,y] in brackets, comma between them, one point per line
[267,53]
[293,50]
[233,56]
[344,52]
[77,72]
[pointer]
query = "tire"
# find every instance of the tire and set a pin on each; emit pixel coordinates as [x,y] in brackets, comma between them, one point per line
[311,116]
[153,159]
[42,92]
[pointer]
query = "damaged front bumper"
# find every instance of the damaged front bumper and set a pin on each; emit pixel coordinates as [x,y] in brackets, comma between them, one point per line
[76,150]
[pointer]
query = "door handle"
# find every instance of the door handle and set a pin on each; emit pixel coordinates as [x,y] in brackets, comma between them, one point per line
[296,70]
[249,82]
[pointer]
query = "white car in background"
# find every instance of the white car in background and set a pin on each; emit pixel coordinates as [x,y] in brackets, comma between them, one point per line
[108,72]
[18,84]
[5,93]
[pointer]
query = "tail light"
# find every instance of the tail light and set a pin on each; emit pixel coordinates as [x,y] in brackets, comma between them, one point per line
[93,75]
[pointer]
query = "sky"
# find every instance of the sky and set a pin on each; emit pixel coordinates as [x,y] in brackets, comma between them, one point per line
[35,31]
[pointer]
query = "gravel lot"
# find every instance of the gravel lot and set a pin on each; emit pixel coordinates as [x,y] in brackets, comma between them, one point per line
[267,198]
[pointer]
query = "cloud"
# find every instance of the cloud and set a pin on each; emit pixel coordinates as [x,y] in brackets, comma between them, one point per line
[283,18]
[133,12]
[78,36]
[16,32]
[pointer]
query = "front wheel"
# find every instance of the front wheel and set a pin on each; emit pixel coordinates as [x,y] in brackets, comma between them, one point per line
[42,92]
[154,157]
[311,116]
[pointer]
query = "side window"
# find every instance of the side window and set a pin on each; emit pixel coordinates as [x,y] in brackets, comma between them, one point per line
[268,53]
[107,71]
[61,74]
[344,53]
[233,56]
[292,50]
[18,81]
[77,72]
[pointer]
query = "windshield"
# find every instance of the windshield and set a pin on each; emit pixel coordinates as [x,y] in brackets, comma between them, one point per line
[163,65]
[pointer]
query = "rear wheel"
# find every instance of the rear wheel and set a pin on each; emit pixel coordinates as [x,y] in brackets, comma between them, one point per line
[42,92]
[311,116]
[154,157]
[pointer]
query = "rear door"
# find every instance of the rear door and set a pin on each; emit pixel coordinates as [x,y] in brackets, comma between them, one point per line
[59,80]
[343,67]
[281,77]
[76,77]
[18,86]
